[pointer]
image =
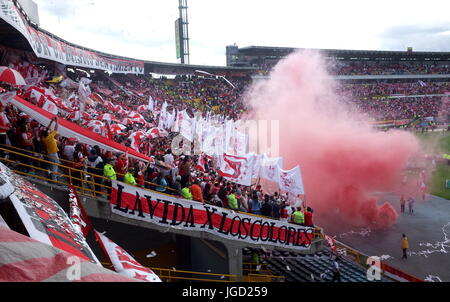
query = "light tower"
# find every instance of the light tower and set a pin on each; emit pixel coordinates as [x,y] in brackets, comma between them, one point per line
[182,33]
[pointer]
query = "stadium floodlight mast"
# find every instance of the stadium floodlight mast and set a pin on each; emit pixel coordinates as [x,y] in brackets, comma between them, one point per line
[218,76]
[183,32]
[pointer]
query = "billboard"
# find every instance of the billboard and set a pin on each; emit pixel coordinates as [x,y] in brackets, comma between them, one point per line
[178,37]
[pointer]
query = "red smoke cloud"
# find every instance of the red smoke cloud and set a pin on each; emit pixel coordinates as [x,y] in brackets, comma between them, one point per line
[342,159]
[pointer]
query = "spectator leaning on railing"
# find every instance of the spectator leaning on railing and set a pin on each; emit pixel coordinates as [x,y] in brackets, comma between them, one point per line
[48,138]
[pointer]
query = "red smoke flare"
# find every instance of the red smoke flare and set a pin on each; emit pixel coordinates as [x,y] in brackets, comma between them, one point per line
[343,160]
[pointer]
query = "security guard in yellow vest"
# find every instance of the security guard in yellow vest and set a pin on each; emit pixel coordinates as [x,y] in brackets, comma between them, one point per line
[129,177]
[109,172]
[232,201]
[186,193]
[299,217]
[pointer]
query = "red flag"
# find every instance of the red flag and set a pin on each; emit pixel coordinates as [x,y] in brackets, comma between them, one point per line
[201,163]
[108,130]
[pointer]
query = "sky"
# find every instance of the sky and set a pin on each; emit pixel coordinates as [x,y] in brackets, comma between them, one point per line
[145,29]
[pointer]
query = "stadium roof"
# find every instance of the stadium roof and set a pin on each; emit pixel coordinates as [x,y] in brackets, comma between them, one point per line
[157,67]
[347,54]
[13,38]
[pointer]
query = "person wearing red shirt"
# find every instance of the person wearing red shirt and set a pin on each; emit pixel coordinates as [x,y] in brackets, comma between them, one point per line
[121,167]
[185,171]
[141,174]
[140,179]
[309,217]
[196,191]
[26,143]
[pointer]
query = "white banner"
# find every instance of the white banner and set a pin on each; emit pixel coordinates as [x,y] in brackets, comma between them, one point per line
[176,213]
[123,263]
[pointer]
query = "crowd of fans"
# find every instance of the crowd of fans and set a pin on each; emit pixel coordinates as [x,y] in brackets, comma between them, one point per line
[391,68]
[339,68]
[392,89]
[398,101]
[390,109]
[168,173]
[122,95]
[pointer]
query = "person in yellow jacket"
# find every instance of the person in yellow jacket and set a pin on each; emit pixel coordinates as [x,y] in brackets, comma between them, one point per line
[405,246]
[232,201]
[129,177]
[110,173]
[298,217]
[186,193]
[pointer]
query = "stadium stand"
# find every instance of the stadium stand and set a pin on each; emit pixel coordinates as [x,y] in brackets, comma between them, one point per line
[29,149]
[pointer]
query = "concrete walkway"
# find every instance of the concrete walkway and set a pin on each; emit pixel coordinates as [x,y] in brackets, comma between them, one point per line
[428,231]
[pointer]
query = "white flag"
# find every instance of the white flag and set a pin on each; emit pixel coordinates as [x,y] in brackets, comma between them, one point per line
[163,117]
[123,263]
[151,104]
[209,134]
[171,119]
[237,169]
[83,90]
[270,168]
[178,120]
[239,143]
[291,181]
[50,107]
[257,166]
[187,127]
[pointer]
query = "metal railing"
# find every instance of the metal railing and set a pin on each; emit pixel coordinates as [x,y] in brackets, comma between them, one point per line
[172,275]
[81,179]
[263,274]
[264,278]
[252,268]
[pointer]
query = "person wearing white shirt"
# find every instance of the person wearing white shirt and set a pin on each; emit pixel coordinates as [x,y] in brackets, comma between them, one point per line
[69,150]
[168,157]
